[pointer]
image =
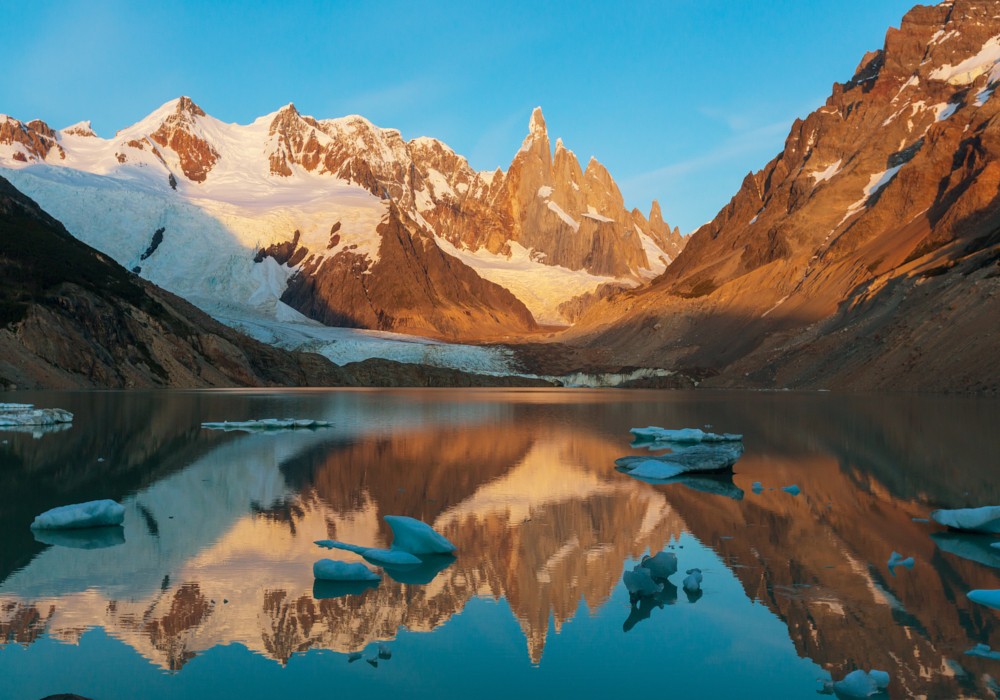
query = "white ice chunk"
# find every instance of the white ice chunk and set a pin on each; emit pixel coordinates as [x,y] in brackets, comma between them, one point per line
[897,559]
[683,435]
[757,487]
[988,597]
[692,584]
[415,537]
[639,582]
[792,489]
[655,469]
[984,651]
[661,565]
[881,678]
[330,570]
[22,414]
[856,684]
[985,519]
[265,424]
[77,515]
[379,557]
[698,458]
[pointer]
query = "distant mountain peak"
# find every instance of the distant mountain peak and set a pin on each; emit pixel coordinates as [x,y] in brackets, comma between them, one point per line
[537,123]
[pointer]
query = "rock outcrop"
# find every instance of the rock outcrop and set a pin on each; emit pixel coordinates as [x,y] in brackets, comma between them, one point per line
[865,255]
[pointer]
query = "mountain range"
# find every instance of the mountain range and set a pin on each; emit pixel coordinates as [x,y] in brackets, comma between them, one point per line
[863,256]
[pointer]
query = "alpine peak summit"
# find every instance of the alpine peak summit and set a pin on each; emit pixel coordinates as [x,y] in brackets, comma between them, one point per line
[345,222]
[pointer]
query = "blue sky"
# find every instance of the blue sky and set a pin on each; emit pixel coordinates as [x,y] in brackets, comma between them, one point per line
[678,98]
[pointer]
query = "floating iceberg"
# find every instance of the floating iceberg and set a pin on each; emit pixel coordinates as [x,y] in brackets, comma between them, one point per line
[330,570]
[79,515]
[384,652]
[792,489]
[859,684]
[379,557]
[415,537]
[269,424]
[984,651]
[662,565]
[897,559]
[683,435]
[988,597]
[83,538]
[703,458]
[417,551]
[757,487]
[692,583]
[20,415]
[639,582]
[985,519]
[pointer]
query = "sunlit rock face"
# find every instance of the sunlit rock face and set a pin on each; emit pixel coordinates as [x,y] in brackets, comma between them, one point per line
[865,254]
[342,221]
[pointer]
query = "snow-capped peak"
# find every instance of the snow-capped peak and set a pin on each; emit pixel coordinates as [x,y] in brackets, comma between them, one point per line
[79,129]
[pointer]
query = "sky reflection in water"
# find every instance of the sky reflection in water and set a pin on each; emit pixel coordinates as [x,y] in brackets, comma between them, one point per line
[211,593]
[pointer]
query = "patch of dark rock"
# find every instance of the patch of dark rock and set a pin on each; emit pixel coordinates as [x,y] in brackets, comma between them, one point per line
[154,244]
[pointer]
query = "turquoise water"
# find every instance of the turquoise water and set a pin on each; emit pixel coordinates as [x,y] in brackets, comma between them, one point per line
[211,595]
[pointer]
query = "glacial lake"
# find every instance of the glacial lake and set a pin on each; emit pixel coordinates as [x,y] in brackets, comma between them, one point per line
[209,593]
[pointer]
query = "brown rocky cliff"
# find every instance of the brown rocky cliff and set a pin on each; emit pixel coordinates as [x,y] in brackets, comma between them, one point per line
[809,276]
[178,133]
[72,318]
[413,287]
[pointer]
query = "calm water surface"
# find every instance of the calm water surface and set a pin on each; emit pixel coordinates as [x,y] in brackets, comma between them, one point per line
[209,593]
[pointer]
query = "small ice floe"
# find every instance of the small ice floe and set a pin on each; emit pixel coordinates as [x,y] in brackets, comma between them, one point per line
[984,651]
[693,580]
[978,548]
[269,424]
[80,515]
[703,458]
[354,656]
[792,489]
[661,565]
[897,559]
[757,487]
[415,537]
[373,662]
[639,582]
[330,570]
[858,684]
[683,435]
[985,519]
[83,538]
[988,597]
[415,546]
[379,557]
[384,652]
[19,415]
[692,585]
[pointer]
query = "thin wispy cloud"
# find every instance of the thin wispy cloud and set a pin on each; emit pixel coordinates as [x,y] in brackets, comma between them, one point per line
[739,145]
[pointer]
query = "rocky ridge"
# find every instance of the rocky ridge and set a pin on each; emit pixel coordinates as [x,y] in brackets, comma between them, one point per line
[471,245]
[865,255]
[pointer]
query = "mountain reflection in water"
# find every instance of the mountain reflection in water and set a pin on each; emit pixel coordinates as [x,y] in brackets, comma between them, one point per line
[218,538]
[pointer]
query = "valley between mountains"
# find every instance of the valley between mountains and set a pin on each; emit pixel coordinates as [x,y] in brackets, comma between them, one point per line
[864,256]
